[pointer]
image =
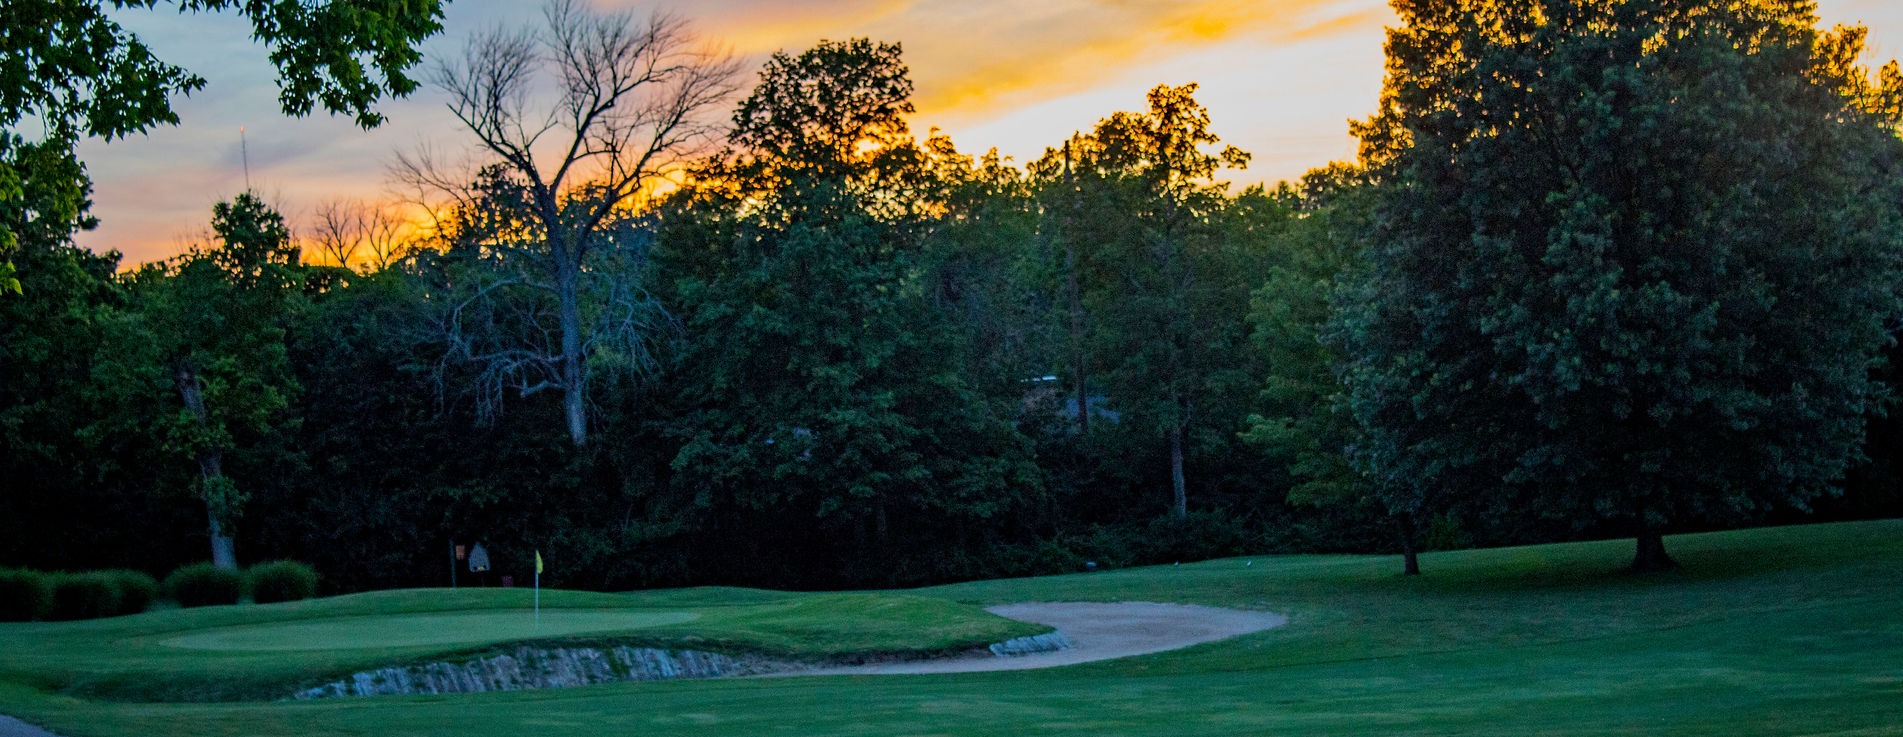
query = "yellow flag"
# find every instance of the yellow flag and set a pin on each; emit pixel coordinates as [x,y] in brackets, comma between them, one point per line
[538,561]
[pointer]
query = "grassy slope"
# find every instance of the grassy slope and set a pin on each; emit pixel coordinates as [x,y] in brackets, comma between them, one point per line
[1780,631]
[127,658]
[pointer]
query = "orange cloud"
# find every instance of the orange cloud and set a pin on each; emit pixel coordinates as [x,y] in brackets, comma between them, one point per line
[1127,37]
[973,57]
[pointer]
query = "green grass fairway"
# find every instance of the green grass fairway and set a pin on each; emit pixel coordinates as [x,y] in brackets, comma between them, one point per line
[1781,631]
[410,630]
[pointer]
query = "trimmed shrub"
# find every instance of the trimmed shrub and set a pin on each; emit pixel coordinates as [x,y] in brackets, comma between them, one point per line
[24,595]
[282,580]
[203,584]
[84,596]
[137,589]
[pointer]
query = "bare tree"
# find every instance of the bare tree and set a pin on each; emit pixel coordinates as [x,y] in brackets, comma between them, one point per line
[386,237]
[351,232]
[627,99]
[335,229]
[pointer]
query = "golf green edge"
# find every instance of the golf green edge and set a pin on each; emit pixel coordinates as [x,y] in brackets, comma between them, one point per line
[246,652]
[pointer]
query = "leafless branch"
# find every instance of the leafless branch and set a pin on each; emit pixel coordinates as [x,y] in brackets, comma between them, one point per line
[586,114]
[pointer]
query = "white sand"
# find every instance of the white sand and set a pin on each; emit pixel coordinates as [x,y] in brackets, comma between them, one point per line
[1097,631]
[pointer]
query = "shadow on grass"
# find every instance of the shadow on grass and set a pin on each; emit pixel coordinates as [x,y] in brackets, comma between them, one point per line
[1704,558]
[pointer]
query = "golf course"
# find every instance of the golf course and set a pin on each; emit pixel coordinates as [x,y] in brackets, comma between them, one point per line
[1792,630]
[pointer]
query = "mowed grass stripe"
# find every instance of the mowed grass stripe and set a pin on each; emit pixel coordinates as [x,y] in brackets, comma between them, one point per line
[410,630]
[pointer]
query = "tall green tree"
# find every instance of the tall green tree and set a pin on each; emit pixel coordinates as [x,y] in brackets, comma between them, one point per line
[200,366]
[1160,290]
[988,269]
[819,384]
[63,505]
[1633,267]
[1315,234]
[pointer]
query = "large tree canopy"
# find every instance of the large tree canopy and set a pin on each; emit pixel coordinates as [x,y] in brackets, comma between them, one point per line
[816,375]
[208,328]
[1634,265]
[1137,206]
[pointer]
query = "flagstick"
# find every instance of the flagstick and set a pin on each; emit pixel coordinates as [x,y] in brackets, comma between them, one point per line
[538,599]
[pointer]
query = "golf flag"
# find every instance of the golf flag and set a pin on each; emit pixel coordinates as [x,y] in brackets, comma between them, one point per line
[538,562]
[538,588]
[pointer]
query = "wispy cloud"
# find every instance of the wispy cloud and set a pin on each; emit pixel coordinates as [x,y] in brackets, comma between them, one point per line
[973,57]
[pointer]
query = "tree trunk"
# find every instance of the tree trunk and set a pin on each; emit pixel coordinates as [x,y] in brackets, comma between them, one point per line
[1181,493]
[1074,294]
[210,466]
[1651,555]
[223,550]
[574,390]
[1077,360]
[1410,553]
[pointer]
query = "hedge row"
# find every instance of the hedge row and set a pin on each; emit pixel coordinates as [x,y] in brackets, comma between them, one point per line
[202,584]
[283,580]
[24,595]
[27,595]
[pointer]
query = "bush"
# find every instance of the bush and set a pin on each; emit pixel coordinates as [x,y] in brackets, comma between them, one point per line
[203,584]
[84,596]
[283,580]
[137,589]
[24,595]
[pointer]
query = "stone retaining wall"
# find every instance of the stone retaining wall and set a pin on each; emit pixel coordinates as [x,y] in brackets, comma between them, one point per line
[533,668]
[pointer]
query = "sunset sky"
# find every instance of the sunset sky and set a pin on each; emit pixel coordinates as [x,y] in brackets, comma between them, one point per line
[1280,77]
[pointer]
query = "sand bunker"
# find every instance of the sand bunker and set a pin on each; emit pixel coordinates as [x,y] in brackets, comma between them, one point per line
[1096,631]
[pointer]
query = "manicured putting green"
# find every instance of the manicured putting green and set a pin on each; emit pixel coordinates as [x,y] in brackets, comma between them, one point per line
[408,630]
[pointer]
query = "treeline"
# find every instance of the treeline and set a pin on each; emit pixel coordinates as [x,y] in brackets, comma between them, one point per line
[828,353]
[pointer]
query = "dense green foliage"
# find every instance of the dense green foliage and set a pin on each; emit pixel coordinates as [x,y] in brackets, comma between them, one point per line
[25,595]
[1765,632]
[816,380]
[71,71]
[203,584]
[137,589]
[1611,268]
[1634,267]
[84,596]
[198,359]
[279,581]
[1161,285]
